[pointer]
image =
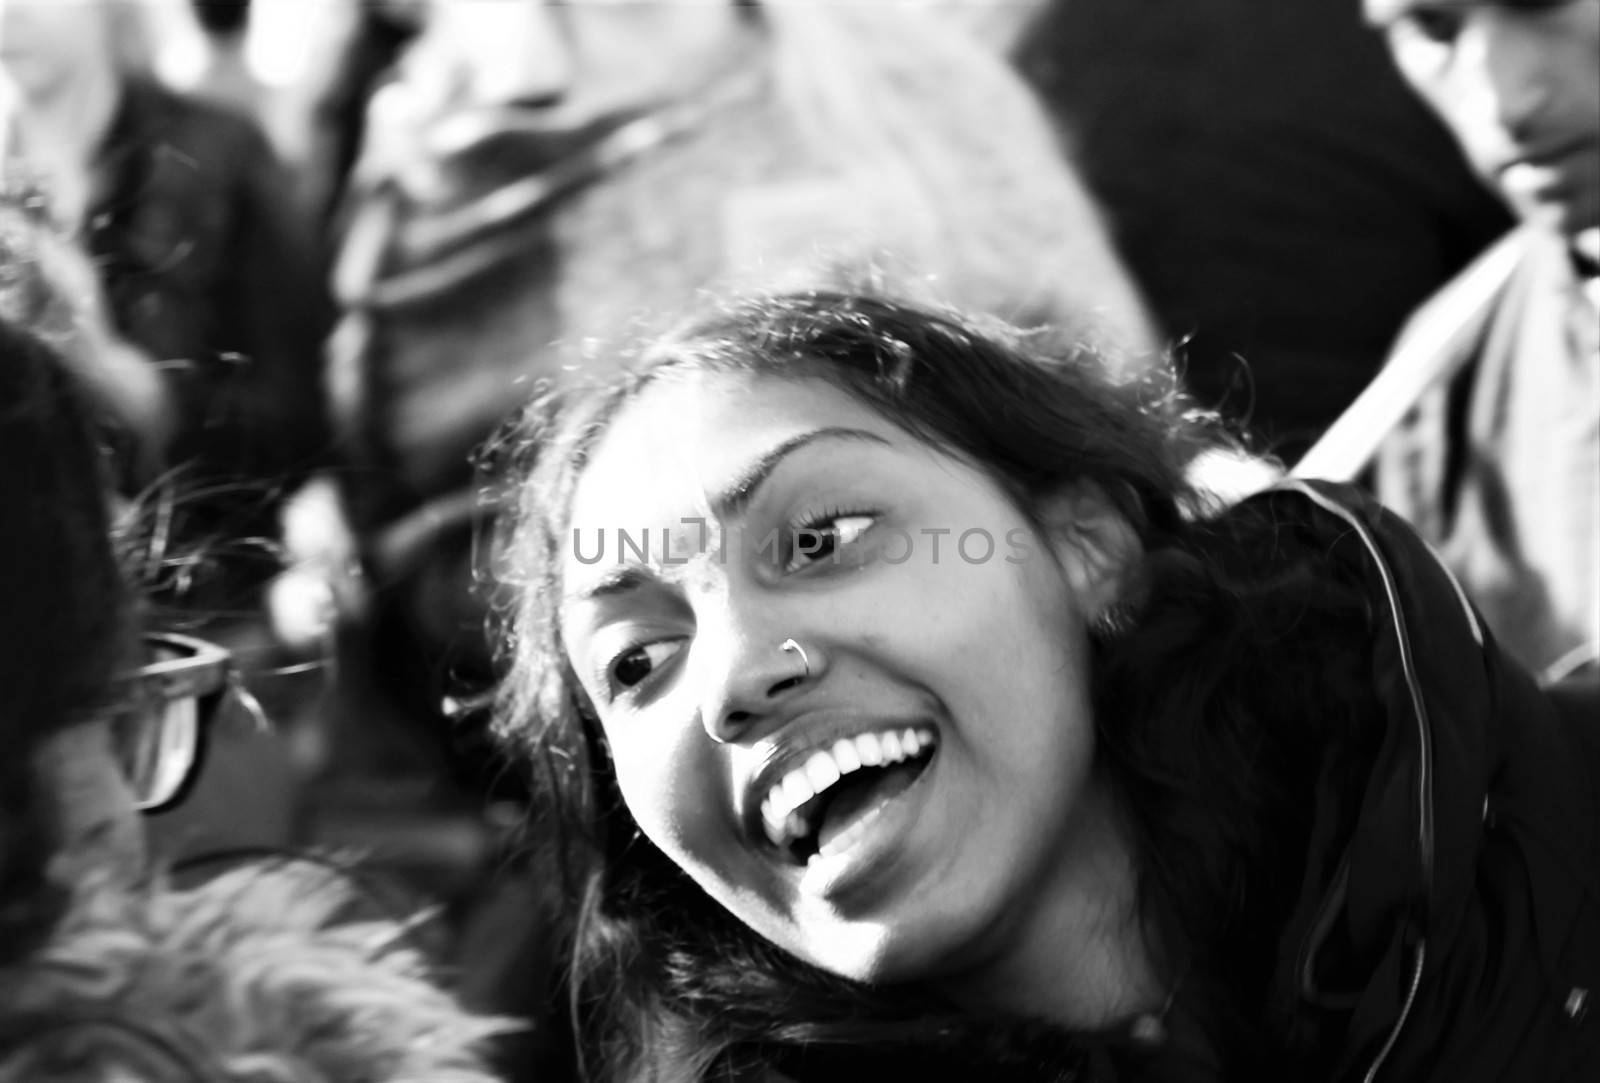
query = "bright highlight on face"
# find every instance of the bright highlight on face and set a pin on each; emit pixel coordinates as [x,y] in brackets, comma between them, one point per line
[890,797]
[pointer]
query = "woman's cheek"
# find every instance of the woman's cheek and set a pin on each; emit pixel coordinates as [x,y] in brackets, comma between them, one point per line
[668,784]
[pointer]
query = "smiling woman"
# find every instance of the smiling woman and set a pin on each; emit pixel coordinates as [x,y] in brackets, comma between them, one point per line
[1128,790]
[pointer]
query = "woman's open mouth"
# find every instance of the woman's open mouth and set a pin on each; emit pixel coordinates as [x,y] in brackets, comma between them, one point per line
[821,805]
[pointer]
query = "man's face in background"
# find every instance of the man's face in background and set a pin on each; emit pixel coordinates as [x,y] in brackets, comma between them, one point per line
[1518,82]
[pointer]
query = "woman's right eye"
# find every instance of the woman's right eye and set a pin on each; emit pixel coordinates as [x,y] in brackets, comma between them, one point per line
[635,664]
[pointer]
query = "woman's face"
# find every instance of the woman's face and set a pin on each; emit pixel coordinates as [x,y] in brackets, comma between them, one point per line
[940,636]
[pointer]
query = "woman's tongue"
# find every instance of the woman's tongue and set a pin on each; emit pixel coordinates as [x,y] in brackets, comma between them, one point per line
[854,798]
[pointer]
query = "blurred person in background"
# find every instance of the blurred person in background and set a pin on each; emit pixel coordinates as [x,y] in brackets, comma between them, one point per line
[543,175]
[48,285]
[1280,196]
[204,264]
[105,971]
[352,59]
[166,254]
[226,77]
[181,253]
[1498,462]
[67,630]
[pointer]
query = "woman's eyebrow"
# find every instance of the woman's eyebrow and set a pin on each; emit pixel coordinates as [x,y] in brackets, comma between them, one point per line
[728,502]
[619,580]
[734,497]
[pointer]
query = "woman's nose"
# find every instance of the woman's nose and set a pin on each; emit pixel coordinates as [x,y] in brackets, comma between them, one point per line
[764,678]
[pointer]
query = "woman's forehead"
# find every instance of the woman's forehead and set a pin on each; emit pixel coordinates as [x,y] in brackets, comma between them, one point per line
[685,438]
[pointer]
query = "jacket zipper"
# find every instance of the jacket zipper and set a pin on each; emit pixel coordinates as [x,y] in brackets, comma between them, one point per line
[1425,781]
[1405,1010]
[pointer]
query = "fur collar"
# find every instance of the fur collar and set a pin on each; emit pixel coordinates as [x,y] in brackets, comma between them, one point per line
[253,976]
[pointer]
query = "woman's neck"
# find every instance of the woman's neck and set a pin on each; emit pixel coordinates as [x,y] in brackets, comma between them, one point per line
[1075,954]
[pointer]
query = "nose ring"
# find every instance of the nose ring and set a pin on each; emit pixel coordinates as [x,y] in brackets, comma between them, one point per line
[791,645]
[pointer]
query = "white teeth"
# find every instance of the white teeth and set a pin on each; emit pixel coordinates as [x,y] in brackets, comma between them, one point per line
[797,790]
[869,749]
[822,771]
[824,768]
[846,756]
[892,752]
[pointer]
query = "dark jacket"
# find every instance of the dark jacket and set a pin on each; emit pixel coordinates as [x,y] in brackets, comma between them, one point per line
[210,269]
[1459,938]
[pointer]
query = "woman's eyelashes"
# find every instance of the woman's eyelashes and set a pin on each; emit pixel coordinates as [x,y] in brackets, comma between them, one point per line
[826,537]
[631,668]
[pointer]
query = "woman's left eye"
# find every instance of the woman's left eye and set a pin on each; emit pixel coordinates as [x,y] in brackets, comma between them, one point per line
[635,665]
[822,539]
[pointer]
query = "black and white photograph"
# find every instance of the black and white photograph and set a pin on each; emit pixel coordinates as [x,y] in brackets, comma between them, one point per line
[799,541]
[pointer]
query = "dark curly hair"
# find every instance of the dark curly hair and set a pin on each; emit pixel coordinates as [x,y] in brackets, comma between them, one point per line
[1234,624]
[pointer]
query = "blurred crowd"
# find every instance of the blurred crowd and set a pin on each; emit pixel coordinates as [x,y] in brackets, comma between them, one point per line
[260,334]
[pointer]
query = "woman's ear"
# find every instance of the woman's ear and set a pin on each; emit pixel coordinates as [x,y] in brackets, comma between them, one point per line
[1094,543]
